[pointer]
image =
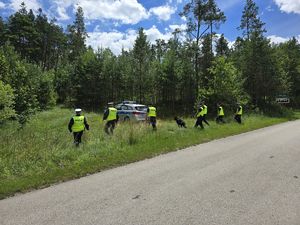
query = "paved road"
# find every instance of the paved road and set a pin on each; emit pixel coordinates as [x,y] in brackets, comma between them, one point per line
[250,178]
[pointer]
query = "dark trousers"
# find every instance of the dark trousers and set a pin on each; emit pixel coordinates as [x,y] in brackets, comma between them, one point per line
[110,126]
[220,119]
[199,122]
[238,118]
[152,121]
[77,137]
[204,119]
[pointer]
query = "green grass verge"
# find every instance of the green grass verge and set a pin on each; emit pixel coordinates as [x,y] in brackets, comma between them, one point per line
[42,152]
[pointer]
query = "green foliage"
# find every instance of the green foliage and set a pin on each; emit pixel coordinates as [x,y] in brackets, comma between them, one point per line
[86,82]
[250,22]
[222,48]
[77,36]
[63,84]
[224,86]
[256,59]
[43,64]
[43,86]
[260,67]
[33,88]
[288,55]
[141,57]
[2,31]
[6,102]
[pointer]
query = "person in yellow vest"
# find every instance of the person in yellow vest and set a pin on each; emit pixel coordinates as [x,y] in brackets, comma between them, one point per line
[111,118]
[239,113]
[200,115]
[205,109]
[221,114]
[151,113]
[77,125]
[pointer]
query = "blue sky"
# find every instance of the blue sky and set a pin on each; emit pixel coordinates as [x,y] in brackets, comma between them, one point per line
[113,23]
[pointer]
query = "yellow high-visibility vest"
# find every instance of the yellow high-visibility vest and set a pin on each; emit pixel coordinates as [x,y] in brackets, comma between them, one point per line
[205,109]
[78,124]
[112,115]
[152,112]
[221,111]
[200,113]
[239,112]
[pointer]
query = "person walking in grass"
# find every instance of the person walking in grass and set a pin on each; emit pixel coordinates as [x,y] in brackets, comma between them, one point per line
[239,113]
[111,118]
[221,114]
[77,125]
[199,120]
[205,110]
[151,113]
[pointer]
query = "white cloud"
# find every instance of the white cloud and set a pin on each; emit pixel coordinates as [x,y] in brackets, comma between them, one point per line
[163,12]
[30,4]
[2,5]
[289,6]
[153,34]
[117,40]
[62,13]
[114,40]
[277,39]
[126,11]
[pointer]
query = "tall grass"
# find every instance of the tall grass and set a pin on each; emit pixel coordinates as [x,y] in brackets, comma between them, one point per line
[42,152]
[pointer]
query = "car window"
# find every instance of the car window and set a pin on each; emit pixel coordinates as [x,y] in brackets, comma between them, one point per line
[141,108]
[129,107]
[124,107]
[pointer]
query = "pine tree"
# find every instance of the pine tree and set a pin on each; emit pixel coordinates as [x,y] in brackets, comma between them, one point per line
[206,60]
[250,22]
[260,68]
[77,36]
[196,14]
[141,50]
[2,31]
[214,17]
[222,48]
[22,33]
[288,55]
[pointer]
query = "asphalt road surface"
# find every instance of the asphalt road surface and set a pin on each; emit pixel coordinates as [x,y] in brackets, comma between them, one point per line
[252,178]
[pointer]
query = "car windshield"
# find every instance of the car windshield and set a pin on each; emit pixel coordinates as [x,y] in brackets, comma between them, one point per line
[141,108]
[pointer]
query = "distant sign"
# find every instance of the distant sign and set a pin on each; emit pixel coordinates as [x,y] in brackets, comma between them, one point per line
[283,100]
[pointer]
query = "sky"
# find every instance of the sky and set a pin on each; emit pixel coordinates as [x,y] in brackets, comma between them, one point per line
[114,23]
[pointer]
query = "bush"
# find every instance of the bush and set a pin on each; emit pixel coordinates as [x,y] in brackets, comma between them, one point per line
[6,102]
[277,110]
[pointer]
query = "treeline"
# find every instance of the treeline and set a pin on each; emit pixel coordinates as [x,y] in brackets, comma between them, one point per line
[42,65]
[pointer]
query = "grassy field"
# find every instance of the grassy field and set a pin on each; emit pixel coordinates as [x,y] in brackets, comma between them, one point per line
[42,152]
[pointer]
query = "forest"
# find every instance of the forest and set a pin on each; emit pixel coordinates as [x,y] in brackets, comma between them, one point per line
[43,65]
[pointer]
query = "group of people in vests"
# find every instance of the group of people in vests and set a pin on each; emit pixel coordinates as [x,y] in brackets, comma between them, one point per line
[78,123]
[203,109]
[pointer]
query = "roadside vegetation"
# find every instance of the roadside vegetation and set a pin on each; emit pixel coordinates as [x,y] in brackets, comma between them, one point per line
[42,153]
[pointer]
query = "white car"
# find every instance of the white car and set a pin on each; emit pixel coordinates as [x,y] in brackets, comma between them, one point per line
[130,111]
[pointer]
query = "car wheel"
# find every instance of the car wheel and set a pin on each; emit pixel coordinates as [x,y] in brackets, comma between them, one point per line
[126,119]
